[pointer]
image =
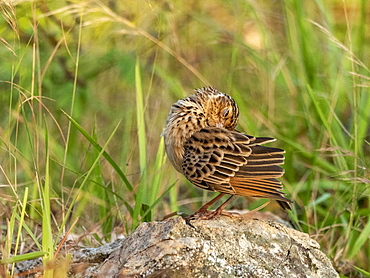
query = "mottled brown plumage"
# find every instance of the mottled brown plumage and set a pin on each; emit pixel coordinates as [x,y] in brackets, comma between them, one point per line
[202,143]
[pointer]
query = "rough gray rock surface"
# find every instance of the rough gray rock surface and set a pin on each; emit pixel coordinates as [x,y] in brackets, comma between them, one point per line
[222,247]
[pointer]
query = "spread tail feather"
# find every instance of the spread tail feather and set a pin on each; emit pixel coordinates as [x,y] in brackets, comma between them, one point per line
[260,188]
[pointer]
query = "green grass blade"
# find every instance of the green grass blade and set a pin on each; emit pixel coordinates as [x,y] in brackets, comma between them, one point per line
[157,172]
[364,272]
[360,241]
[142,195]
[47,234]
[103,193]
[149,209]
[23,257]
[140,114]
[99,148]
[30,233]
[21,220]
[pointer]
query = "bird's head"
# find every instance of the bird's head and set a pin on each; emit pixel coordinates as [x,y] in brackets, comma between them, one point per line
[219,109]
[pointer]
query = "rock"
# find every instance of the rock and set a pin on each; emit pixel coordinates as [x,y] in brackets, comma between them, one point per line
[221,247]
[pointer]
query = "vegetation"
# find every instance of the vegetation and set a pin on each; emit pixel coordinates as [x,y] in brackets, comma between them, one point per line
[86,87]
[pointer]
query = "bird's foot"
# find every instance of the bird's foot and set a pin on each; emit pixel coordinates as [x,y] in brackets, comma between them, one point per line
[202,215]
[230,214]
[207,215]
[172,214]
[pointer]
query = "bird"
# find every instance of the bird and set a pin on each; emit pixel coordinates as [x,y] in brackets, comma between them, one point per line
[202,143]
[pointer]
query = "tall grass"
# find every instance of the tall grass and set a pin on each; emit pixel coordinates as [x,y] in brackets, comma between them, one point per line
[85,92]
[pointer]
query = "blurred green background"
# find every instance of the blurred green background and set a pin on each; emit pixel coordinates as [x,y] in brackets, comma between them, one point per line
[85,88]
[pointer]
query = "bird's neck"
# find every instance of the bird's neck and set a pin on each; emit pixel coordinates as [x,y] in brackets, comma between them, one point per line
[184,120]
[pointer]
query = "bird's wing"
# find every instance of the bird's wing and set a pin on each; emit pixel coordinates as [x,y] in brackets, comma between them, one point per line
[235,163]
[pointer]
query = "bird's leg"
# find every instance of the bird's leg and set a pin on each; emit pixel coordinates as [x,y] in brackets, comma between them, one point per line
[220,209]
[203,211]
[204,214]
[205,207]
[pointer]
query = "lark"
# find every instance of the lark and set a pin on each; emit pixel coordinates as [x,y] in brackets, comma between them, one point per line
[202,143]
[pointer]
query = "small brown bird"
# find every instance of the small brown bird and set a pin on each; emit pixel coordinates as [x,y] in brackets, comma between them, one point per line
[202,143]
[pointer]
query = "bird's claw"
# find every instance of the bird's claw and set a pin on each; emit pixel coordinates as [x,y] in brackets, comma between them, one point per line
[207,215]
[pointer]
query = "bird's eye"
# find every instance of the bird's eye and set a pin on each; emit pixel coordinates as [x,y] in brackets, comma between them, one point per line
[225,112]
